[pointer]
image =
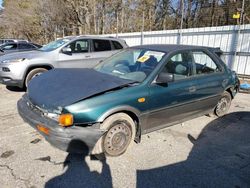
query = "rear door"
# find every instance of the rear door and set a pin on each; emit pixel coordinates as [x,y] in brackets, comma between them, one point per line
[80,56]
[102,49]
[210,80]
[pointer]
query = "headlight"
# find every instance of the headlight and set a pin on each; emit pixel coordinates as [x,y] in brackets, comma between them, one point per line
[14,60]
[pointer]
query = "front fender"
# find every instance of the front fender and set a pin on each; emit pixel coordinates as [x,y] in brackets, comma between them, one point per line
[119,109]
[125,109]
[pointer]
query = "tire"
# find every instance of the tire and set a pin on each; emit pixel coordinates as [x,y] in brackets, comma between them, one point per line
[223,105]
[120,132]
[33,73]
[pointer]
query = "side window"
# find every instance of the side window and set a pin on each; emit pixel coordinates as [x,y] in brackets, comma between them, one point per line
[203,63]
[101,45]
[10,47]
[25,46]
[117,45]
[177,57]
[180,65]
[79,46]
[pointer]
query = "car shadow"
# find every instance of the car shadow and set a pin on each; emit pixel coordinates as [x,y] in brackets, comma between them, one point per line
[14,88]
[78,173]
[220,157]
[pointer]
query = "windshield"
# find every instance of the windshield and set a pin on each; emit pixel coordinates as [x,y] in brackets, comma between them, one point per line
[132,64]
[2,45]
[54,45]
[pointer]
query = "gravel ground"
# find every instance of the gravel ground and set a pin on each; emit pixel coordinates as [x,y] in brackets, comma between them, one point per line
[203,152]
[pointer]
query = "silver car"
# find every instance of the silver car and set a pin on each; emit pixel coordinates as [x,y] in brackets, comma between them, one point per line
[17,69]
[12,47]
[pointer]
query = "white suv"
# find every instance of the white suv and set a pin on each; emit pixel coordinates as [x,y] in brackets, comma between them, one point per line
[17,69]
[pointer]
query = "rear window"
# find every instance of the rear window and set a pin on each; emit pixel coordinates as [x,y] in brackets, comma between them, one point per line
[101,45]
[117,45]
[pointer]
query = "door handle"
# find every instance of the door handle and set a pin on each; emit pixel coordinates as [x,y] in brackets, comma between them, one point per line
[192,89]
[87,56]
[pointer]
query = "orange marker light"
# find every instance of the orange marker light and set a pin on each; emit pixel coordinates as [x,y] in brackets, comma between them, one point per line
[141,99]
[66,120]
[43,129]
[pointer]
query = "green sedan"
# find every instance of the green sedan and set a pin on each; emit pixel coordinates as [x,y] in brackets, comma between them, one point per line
[136,91]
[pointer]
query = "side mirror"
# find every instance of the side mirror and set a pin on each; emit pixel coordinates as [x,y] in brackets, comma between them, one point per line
[67,50]
[164,78]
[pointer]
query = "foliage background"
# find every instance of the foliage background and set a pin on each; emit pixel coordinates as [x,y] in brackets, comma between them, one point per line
[46,20]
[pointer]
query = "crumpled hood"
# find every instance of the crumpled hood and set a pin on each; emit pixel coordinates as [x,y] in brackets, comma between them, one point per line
[58,88]
[20,55]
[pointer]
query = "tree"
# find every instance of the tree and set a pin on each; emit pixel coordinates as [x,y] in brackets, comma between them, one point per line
[43,21]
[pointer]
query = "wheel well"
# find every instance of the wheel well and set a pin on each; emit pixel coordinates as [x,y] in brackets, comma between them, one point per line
[135,119]
[230,92]
[48,67]
[133,116]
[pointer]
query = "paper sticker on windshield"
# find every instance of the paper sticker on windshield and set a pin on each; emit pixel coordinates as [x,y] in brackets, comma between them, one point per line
[154,53]
[143,58]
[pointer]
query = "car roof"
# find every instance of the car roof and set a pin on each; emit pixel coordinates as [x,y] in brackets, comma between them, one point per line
[7,43]
[92,37]
[173,47]
[14,40]
[18,42]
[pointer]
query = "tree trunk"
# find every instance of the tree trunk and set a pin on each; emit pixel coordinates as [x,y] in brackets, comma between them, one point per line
[102,17]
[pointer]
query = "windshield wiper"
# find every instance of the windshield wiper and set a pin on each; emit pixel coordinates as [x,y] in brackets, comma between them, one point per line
[134,83]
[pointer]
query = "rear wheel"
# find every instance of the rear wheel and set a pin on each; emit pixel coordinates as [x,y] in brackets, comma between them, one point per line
[223,105]
[33,73]
[120,132]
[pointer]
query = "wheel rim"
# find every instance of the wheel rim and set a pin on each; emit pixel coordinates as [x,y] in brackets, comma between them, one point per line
[117,139]
[222,106]
[35,75]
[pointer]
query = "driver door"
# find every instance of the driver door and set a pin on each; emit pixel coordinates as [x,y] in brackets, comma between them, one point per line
[80,56]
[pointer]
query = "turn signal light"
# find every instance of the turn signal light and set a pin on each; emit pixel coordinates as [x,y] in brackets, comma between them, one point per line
[43,129]
[141,100]
[66,120]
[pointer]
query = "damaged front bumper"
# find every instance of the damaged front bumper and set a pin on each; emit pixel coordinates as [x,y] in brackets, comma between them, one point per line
[71,139]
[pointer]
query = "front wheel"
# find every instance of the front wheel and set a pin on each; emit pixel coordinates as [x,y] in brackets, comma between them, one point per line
[120,132]
[223,105]
[33,73]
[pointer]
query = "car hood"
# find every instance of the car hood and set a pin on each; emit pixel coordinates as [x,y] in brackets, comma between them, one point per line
[58,88]
[20,55]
